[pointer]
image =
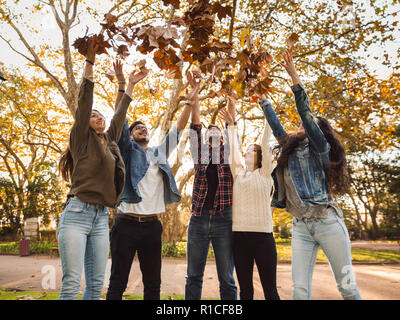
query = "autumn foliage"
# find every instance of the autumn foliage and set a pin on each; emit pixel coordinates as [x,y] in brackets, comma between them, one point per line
[212,55]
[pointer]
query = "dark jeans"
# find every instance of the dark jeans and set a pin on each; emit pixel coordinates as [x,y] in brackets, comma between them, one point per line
[259,247]
[203,230]
[127,238]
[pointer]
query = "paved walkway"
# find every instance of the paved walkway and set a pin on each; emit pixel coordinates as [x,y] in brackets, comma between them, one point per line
[375,282]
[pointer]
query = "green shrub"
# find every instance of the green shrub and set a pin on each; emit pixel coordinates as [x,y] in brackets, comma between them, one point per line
[9,247]
[34,247]
[178,250]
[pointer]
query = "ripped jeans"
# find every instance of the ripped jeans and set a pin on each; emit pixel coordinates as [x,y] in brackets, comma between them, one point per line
[331,234]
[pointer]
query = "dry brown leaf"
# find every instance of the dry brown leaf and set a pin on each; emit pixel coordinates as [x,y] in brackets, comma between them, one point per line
[42,295]
[110,19]
[222,11]
[293,38]
[110,75]
[212,94]
[123,50]
[174,3]
[141,64]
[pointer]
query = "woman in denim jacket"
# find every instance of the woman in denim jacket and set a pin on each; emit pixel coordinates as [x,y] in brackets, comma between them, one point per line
[312,166]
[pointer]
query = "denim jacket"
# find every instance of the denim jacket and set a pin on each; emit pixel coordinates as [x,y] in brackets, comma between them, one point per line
[136,165]
[309,162]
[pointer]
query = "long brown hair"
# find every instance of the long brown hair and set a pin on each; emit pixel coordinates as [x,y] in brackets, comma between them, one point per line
[258,150]
[66,165]
[338,176]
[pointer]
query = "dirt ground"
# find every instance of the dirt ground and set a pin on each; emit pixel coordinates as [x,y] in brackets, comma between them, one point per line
[376,282]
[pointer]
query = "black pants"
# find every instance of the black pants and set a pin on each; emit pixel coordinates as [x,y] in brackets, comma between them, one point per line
[259,247]
[127,238]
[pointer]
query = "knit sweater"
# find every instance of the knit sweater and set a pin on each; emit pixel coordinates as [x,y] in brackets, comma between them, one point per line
[251,204]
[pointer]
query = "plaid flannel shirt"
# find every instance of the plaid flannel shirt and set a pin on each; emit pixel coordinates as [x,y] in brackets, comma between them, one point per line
[202,155]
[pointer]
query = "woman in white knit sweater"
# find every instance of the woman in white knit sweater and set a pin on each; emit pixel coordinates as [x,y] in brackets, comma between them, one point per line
[253,238]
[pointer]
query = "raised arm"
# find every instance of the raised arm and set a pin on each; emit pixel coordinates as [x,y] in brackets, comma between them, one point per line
[119,117]
[191,102]
[118,70]
[195,84]
[231,102]
[80,129]
[235,157]
[266,163]
[273,121]
[313,132]
[171,141]
[195,140]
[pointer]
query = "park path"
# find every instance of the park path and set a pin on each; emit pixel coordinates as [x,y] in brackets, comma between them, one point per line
[375,281]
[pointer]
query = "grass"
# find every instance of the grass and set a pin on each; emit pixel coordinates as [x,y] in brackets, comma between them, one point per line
[283,247]
[178,250]
[35,247]
[9,294]
[375,256]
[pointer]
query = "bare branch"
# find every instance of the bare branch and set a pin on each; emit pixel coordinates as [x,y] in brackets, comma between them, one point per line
[60,23]
[232,21]
[36,61]
[48,145]
[15,156]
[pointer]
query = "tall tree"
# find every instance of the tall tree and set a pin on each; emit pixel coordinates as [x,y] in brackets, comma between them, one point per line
[30,139]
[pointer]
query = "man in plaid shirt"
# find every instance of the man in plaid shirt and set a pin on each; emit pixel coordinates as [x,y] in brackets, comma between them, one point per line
[204,156]
[211,219]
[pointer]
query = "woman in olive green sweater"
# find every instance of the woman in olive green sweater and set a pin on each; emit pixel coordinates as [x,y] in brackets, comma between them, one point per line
[93,165]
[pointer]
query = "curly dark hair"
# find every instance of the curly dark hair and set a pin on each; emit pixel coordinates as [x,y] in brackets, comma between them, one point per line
[338,176]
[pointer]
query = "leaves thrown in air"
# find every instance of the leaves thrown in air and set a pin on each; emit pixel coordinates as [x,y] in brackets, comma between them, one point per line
[293,38]
[174,3]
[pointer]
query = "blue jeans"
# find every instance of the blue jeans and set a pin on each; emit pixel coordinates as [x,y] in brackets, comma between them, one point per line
[331,234]
[202,230]
[83,241]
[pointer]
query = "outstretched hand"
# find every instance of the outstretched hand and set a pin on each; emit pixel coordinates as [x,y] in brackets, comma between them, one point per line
[193,81]
[288,64]
[231,101]
[118,66]
[135,77]
[91,50]
[226,116]
[195,84]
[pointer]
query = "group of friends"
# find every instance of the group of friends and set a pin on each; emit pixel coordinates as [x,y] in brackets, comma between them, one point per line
[231,200]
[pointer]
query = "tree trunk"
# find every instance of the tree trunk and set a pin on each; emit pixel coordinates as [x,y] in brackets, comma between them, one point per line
[375,227]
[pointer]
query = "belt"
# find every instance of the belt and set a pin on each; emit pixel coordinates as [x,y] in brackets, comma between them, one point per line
[88,204]
[137,219]
[308,219]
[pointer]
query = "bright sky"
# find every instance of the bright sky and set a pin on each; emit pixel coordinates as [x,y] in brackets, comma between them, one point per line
[50,33]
